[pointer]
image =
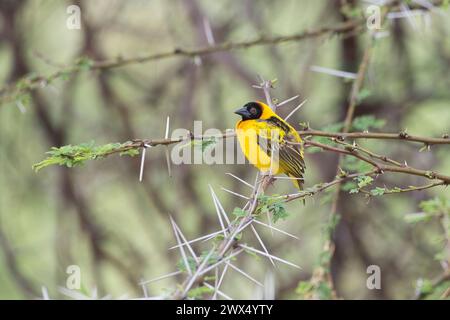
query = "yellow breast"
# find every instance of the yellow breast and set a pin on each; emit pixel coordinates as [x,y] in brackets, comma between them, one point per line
[248,133]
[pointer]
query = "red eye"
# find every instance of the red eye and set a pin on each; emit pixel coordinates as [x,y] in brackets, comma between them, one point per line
[253,111]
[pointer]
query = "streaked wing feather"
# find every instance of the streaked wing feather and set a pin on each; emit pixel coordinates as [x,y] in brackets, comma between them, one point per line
[290,155]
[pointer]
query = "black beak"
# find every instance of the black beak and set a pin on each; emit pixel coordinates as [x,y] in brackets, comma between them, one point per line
[243,112]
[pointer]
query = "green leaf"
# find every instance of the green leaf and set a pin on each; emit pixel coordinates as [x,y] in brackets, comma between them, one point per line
[71,156]
[324,291]
[84,63]
[278,212]
[426,287]
[378,191]
[131,153]
[416,217]
[304,288]
[199,292]
[362,95]
[182,266]
[440,256]
[436,206]
[273,206]
[238,212]
[213,258]
[363,181]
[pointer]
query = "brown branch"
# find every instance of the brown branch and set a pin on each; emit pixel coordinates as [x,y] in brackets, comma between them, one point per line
[409,189]
[9,93]
[382,167]
[323,186]
[382,136]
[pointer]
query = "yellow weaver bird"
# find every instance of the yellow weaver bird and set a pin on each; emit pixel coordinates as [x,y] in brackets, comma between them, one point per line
[270,143]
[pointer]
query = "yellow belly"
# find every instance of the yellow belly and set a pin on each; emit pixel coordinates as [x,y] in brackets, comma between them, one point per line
[248,140]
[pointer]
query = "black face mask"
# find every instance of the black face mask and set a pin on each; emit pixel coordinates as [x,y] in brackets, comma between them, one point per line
[251,110]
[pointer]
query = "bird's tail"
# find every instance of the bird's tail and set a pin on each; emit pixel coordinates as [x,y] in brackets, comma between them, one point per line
[298,183]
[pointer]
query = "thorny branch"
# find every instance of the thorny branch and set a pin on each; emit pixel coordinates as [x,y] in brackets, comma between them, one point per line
[32,82]
[230,245]
[26,85]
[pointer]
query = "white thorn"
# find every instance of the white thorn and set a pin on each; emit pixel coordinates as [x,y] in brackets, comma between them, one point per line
[186,242]
[166,136]
[276,229]
[172,274]
[224,260]
[183,254]
[239,179]
[334,72]
[45,295]
[220,281]
[272,256]
[235,193]
[141,171]
[262,245]
[194,277]
[197,239]
[287,101]
[218,291]
[208,32]
[293,111]
[244,274]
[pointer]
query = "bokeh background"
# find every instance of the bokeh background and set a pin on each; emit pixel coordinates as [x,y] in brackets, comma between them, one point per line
[116,229]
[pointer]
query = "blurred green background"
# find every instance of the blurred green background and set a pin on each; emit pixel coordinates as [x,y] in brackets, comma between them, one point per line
[101,218]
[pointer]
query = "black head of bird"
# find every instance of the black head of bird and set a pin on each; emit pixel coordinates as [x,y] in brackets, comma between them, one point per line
[251,110]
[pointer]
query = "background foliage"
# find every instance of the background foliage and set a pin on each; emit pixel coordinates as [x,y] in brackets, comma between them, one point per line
[99,216]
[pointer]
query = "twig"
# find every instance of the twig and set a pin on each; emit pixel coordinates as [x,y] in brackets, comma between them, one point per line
[28,84]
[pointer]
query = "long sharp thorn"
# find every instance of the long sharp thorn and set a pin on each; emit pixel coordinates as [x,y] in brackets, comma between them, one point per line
[220,281]
[235,193]
[245,274]
[334,72]
[216,281]
[239,179]
[409,15]
[224,260]
[144,288]
[219,214]
[276,229]
[296,108]
[287,101]
[166,136]
[264,254]
[244,226]
[220,293]
[169,168]
[222,210]
[262,245]
[186,242]
[183,254]
[141,171]
[208,236]
[269,222]
[236,232]
[199,270]
[208,32]
[288,178]
[45,295]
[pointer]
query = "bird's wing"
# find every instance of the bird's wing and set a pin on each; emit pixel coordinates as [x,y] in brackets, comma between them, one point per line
[287,145]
